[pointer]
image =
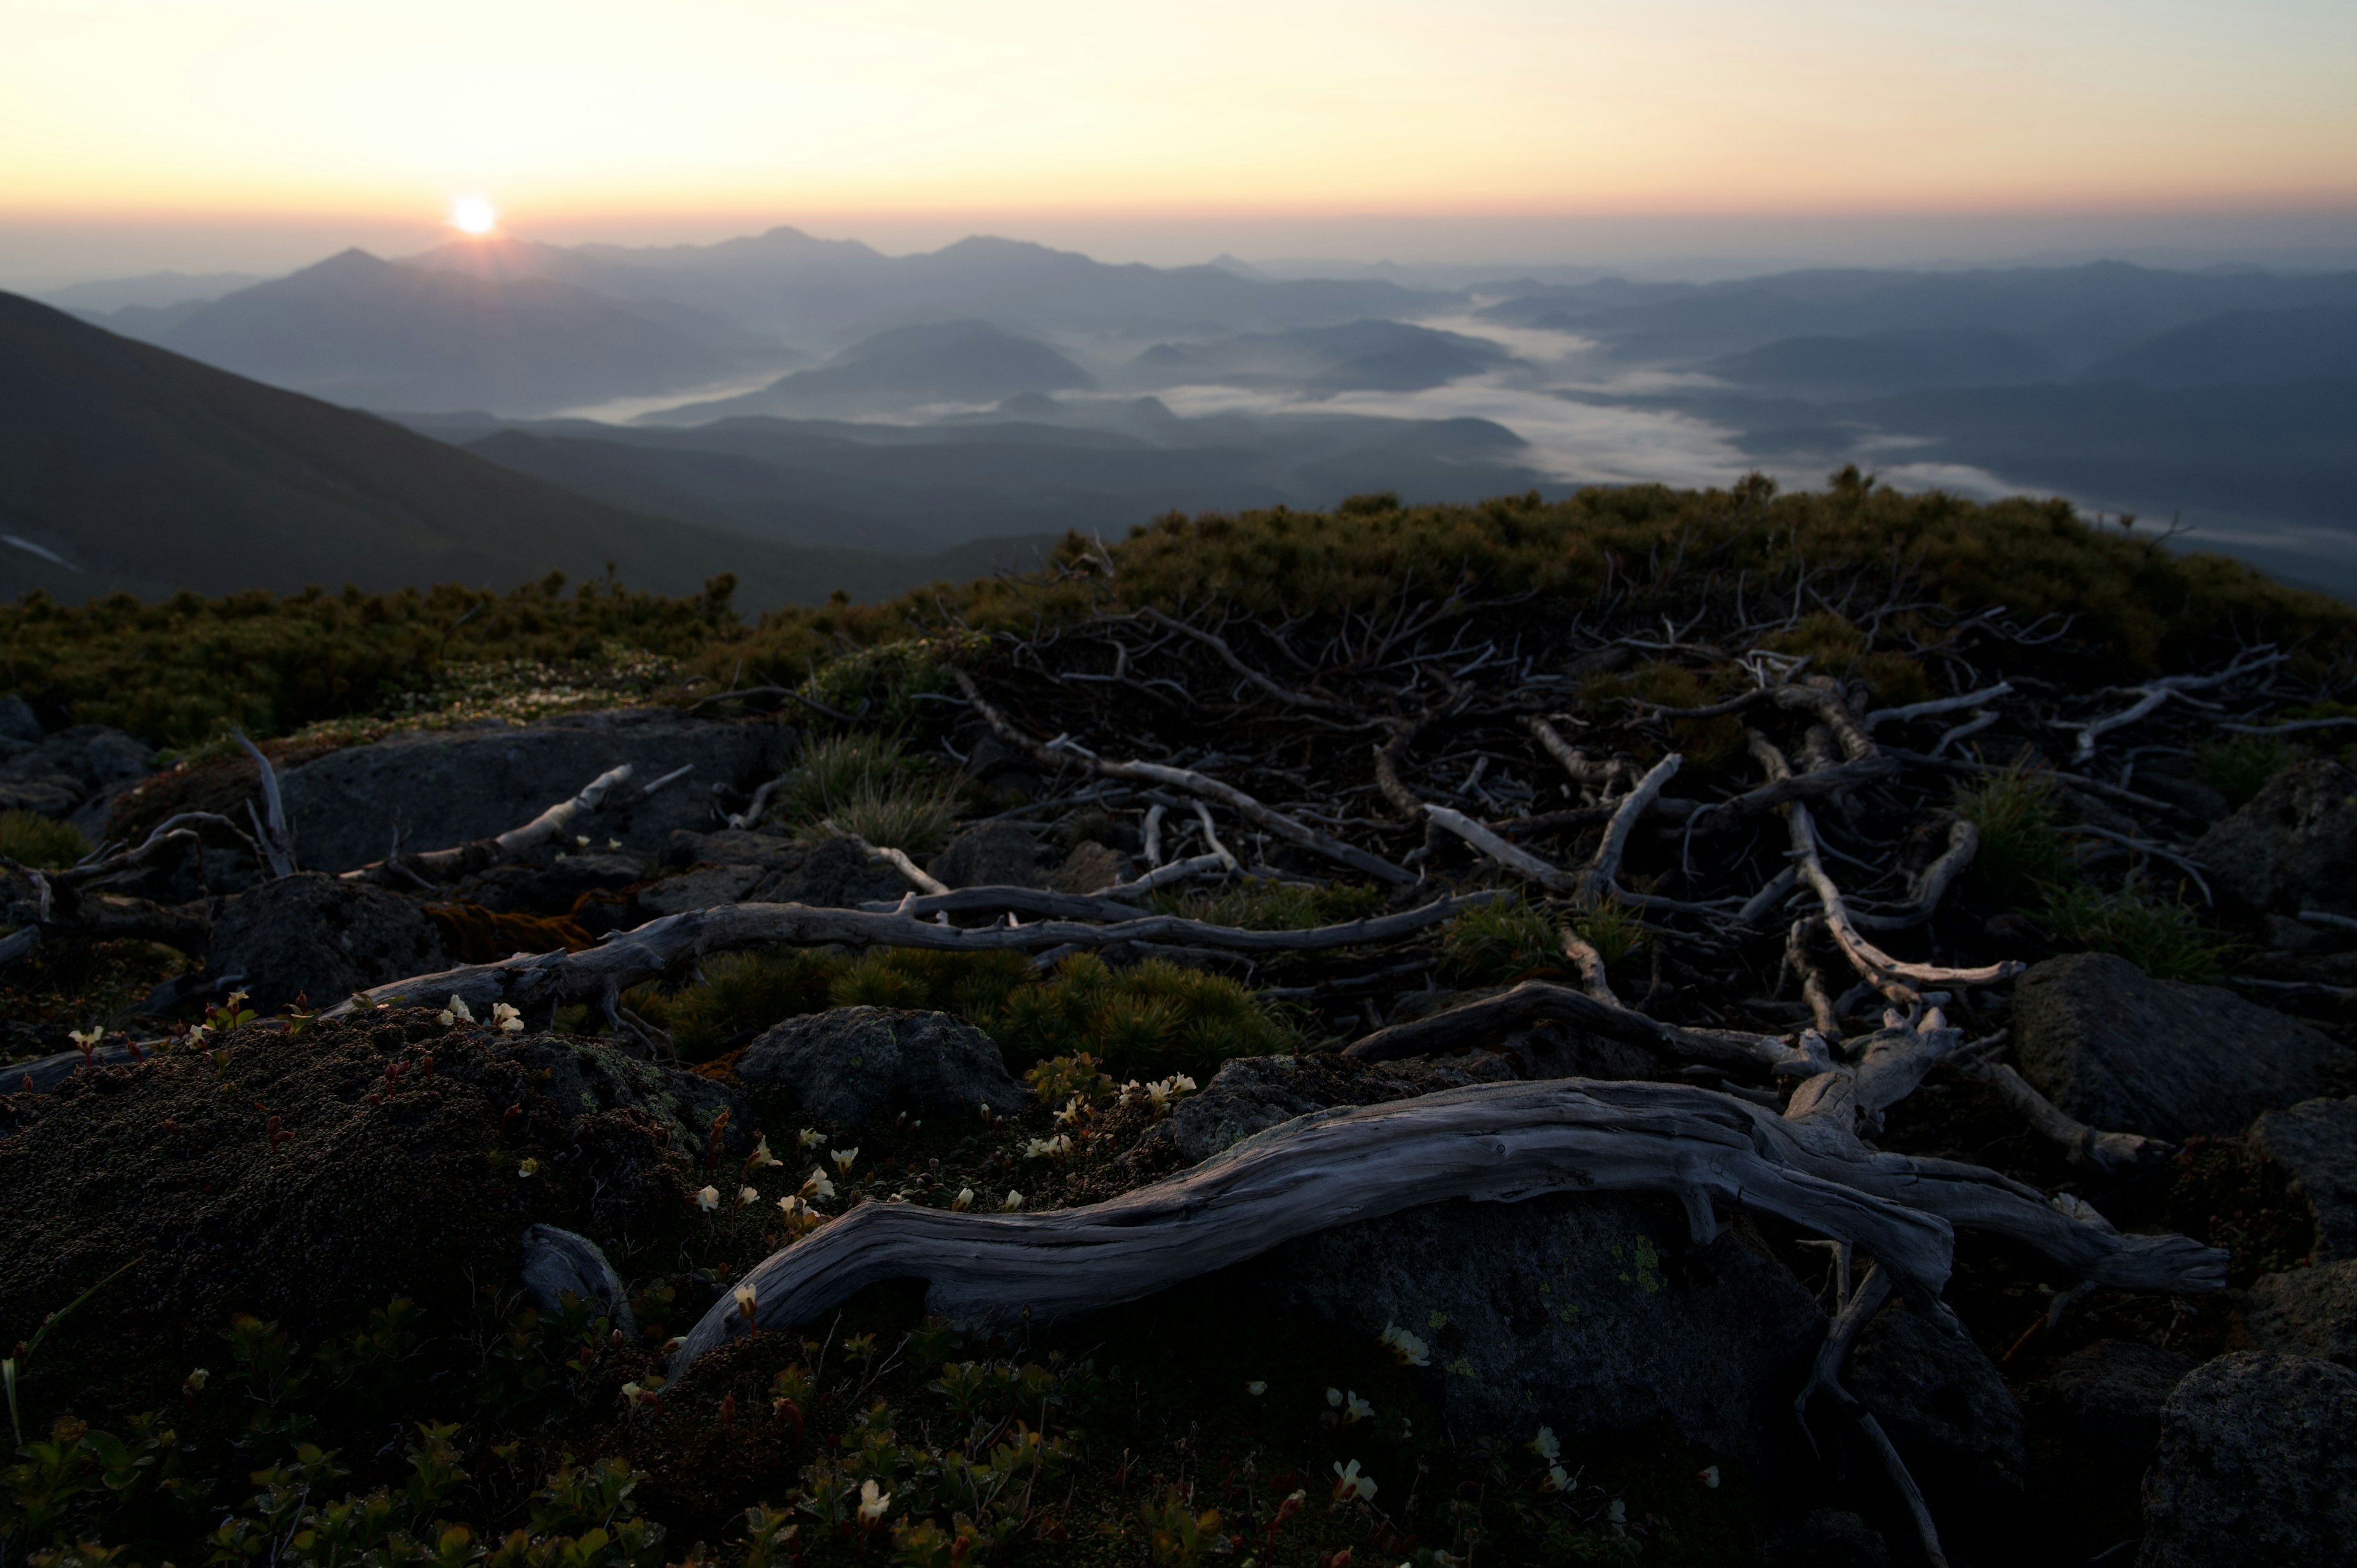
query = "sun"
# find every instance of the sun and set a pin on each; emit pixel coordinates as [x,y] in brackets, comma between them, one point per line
[473,215]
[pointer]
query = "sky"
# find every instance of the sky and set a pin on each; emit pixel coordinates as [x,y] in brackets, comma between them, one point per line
[241,129]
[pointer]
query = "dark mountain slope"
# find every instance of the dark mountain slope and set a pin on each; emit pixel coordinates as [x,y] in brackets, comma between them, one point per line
[2243,348]
[146,471]
[368,332]
[1889,361]
[948,362]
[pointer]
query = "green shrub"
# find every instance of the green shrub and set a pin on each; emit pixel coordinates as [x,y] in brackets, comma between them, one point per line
[2165,938]
[40,843]
[1493,943]
[1611,927]
[2238,766]
[2020,853]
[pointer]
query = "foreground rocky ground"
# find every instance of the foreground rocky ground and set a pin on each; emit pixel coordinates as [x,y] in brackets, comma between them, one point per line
[346,1241]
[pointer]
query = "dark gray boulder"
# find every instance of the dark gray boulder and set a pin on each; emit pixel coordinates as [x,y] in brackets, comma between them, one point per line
[75,774]
[1251,1094]
[2304,1312]
[2294,845]
[1827,1538]
[735,846]
[833,874]
[845,1065]
[704,887]
[2316,1143]
[443,787]
[311,934]
[2257,1464]
[1092,868]
[2113,1391]
[1946,1409]
[1593,1314]
[991,854]
[18,722]
[2125,1053]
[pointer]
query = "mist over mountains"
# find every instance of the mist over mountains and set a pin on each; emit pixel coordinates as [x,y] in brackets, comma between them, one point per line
[806,391]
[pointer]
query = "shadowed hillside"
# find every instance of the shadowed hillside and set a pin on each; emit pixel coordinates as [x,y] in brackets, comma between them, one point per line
[131,467]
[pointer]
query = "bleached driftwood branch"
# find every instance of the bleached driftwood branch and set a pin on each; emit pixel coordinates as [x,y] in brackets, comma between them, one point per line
[1497,1143]
[422,866]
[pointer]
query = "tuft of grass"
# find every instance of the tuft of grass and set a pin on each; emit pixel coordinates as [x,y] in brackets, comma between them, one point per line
[39,841]
[1611,929]
[868,785]
[2238,766]
[2021,854]
[1503,941]
[2163,938]
[1265,904]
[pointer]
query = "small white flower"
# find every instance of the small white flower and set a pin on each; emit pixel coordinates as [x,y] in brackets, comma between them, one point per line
[708,1199]
[1356,1410]
[1411,1350]
[810,1137]
[1334,1398]
[1071,1111]
[744,1301]
[581,841]
[964,1200]
[873,1500]
[528,1168]
[1257,1387]
[1054,1148]
[85,1037]
[1556,1481]
[1618,1514]
[760,1156]
[793,1207]
[1349,1483]
[817,1185]
[195,1381]
[844,1159]
[613,843]
[456,1011]
[447,1019]
[745,1195]
[1709,1474]
[507,1018]
[1014,1203]
[1545,1447]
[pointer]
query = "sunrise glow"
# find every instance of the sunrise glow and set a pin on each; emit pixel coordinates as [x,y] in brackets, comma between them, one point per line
[473,215]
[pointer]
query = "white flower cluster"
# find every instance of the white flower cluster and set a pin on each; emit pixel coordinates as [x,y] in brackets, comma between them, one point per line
[1411,1350]
[1162,1091]
[1054,1148]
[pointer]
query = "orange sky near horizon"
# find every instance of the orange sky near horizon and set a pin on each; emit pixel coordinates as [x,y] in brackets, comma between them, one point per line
[255,108]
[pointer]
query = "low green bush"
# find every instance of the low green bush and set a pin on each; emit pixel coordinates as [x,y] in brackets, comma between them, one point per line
[39,841]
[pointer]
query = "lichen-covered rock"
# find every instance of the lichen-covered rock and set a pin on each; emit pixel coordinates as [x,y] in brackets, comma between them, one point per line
[1251,1094]
[2113,1391]
[1590,1314]
[2129,1054]
[2306,1312]
[1092,868]
[1946,1409]
[848,1064]
[2316,1143]
[75,774]
[735,846]
[2294,843]
[314,935]
[835,875]
[706,888]
[991,854]
[2257,1464]
[443,787]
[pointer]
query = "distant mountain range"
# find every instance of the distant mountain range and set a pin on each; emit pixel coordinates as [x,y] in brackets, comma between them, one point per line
[127,466]
[968,363]
[377,334]
[1357,356]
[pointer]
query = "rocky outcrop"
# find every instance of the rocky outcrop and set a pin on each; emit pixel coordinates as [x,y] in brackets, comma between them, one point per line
[847,1065]
[833,874]
[442,787]
[2315,1144]
[1591,1315]
[990,854]
[75,775]
[1947,1411]
[704,887]
[313,935]
[2307,1312]
[2294,846]
[2113,1392]
[2257,1464]
[2126,1053]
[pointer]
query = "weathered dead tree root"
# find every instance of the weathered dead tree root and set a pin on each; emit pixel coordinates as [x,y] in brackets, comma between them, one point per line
[647,952]
[1493,1143]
